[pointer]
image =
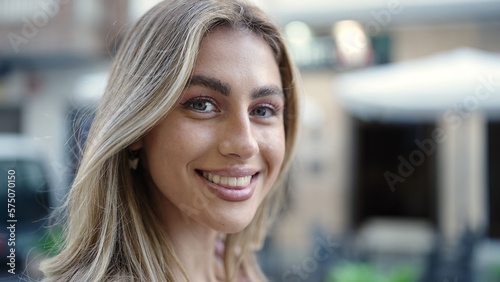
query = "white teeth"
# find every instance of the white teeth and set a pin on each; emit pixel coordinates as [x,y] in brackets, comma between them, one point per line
[223,180]
[230,181]
[241,181]
[215,178]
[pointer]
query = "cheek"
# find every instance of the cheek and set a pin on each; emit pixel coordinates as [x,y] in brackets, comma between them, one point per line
[173,144]
[273,148]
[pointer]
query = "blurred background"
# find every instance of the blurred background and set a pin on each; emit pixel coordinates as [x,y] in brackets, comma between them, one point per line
[397,174]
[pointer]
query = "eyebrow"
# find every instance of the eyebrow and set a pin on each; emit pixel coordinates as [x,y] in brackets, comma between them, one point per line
[225,89]
[266,91]
[209,82]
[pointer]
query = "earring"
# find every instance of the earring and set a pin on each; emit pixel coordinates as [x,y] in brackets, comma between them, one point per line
[133,159]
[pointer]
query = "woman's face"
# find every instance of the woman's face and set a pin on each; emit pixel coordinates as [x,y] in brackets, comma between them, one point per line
[216,155]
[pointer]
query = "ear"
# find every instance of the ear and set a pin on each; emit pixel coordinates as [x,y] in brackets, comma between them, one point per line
[136,145]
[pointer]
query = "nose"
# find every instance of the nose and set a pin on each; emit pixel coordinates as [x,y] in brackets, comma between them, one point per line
[237,138]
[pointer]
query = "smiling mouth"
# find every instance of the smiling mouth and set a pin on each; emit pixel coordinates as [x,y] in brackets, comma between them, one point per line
[225,180]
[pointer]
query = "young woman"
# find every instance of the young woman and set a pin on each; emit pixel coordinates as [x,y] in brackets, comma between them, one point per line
[181,170]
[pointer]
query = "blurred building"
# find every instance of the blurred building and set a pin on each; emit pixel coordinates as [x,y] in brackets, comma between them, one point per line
[45,47]
[366,173]
[60,27]
[441,216]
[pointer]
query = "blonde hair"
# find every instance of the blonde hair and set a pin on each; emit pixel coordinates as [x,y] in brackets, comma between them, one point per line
[112,233]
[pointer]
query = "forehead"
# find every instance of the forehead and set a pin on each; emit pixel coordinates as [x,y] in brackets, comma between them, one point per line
[225,42]
[229,33]
[239,55]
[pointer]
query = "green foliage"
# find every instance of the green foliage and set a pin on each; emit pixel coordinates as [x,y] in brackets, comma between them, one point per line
[52,241]
[403,273]
[495,272]
[365,272]
[353,272]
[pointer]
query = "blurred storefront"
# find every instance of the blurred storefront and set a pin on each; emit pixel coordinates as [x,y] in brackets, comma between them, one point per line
[381,180]
[436,221]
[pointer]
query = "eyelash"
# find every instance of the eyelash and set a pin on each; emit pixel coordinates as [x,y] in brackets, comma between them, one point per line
[274,108]
[189,103]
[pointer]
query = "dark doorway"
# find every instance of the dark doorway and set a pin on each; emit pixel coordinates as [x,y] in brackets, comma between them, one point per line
[385,150]
[494,178]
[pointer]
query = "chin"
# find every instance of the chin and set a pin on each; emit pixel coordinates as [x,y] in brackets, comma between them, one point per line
[231,223]
[231,229]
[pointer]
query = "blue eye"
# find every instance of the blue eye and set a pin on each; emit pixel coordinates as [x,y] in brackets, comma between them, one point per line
[203,105]
[263,112]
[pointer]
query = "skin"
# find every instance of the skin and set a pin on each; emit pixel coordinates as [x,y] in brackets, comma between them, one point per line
[228,121]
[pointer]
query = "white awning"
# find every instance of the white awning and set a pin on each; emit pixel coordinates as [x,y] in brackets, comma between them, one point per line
[460,81]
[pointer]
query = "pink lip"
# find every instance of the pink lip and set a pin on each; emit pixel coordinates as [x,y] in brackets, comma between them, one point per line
[229,193]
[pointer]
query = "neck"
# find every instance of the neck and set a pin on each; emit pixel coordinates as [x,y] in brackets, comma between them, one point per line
[193,242]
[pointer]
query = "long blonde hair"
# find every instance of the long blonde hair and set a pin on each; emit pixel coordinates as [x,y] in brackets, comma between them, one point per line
[112,233]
